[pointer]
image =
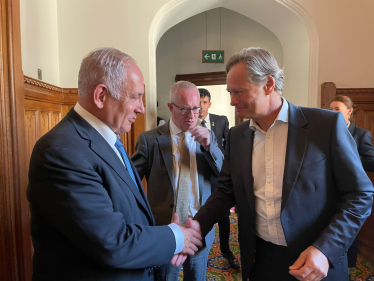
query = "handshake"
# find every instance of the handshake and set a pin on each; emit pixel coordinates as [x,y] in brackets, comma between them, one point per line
[192,240]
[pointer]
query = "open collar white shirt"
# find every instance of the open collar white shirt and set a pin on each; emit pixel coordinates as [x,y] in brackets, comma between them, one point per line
[268,161]
[176,143]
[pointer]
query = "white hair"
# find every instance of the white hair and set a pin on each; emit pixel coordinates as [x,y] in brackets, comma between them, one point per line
[181,85]
[259,64]
[104,66]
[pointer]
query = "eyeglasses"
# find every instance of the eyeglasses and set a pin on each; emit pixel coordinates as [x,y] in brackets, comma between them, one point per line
[186,110]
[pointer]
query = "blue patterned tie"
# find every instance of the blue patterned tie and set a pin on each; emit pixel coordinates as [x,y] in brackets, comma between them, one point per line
[125,158]
[203,123]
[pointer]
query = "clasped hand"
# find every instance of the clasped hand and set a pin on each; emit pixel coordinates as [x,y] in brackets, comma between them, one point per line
[192,240]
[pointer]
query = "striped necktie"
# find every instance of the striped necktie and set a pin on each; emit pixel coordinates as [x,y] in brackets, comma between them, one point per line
[183,198]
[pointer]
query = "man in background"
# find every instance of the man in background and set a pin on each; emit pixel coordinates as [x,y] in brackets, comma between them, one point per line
[90,218]
[220,127]
[178,160]
[295,177]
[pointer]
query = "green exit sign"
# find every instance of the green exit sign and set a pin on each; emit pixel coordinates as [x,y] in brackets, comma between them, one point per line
[210,56]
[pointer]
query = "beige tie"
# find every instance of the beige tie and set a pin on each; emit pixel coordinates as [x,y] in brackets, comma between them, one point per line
[183,199]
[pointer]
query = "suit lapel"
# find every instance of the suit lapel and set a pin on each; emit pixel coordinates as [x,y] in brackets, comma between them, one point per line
[246,148]
[200,161]
[296,144]
[164,143]
[100,146]
[213,121]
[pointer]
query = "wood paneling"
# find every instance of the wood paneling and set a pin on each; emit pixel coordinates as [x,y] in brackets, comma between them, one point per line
[364,118]
[15,251]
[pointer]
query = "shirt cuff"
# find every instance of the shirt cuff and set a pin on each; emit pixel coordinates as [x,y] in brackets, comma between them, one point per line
[179,238]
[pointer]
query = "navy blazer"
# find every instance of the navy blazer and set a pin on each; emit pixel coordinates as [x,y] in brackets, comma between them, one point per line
[326,194]
[364,146]
[89,221]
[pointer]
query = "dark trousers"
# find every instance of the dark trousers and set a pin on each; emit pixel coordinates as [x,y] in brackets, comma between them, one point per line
[352,254]
[224,234]
[272,262]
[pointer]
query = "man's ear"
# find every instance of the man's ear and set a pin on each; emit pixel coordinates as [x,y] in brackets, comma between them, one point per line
[270,85]
[99,95]
[170,105]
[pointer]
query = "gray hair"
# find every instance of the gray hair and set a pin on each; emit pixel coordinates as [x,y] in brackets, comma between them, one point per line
[181,85]
[259,64]
[104,66]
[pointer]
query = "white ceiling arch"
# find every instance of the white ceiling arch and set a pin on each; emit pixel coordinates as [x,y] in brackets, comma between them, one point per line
[288,20]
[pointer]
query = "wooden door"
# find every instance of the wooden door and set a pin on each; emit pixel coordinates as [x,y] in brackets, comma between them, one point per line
[364,118]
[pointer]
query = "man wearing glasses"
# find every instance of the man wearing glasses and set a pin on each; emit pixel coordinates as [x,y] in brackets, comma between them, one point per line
[178,160]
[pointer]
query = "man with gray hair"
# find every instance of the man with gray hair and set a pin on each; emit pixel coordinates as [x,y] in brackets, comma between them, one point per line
[295,177]
[178,160]
[90,218]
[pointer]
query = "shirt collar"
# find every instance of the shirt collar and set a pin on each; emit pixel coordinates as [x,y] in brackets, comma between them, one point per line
[173,128]
[207,119]
[99,125]
[282,116]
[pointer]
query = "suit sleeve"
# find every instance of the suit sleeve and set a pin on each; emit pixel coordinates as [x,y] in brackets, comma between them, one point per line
[214,156]
[71,193]
[366,151]
[356,195]
[220,202]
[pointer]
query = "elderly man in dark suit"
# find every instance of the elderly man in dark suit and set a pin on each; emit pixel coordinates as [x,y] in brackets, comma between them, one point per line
[219,124]
[295,177]
[178,160]
[90,218]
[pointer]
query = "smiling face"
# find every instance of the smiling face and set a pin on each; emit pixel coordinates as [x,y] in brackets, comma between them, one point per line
[205,105]
[189,98]
[339,106]
[120,114]
[250,100]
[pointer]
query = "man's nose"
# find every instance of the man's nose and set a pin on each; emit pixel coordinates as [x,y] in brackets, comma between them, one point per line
[140,109]
[190,114]
[233,100]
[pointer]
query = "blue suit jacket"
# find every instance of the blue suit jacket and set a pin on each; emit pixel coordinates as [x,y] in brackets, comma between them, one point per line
[326,194]
[89,221]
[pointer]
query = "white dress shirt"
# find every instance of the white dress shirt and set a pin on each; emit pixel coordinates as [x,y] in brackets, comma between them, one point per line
[268,160]
[176,143]
[111,139]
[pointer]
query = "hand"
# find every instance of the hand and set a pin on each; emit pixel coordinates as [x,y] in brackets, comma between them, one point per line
[312,265]
[178,259]
[192,235]
[202,136]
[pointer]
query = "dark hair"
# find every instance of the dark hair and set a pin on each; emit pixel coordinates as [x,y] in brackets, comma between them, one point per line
[204,93]
[347,102]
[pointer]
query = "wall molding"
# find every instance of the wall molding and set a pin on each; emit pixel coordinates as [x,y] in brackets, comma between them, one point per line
[40,91]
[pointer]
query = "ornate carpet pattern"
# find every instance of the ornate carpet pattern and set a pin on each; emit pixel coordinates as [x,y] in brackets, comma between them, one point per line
[219,269]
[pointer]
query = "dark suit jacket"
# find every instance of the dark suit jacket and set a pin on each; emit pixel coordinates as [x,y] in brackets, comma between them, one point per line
[88,219]
[364,146]
[220,126]
[326,194]
[154,160]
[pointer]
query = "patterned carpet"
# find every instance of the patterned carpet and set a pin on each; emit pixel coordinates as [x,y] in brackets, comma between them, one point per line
[220,270]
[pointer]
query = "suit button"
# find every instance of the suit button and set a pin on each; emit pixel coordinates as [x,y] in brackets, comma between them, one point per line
[171,205]
[150,272]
